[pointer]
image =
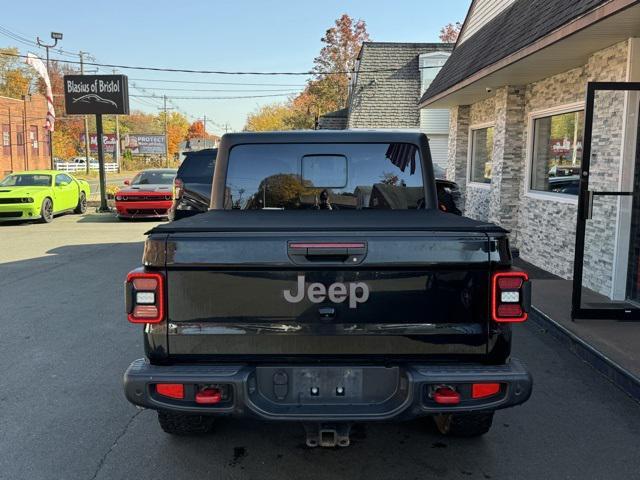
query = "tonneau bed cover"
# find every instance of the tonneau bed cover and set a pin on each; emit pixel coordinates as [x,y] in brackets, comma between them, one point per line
[322,220]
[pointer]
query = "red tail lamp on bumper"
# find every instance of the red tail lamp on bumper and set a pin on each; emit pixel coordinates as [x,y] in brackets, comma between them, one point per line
[510,297]
[457,394]
[189,393]
[144,297]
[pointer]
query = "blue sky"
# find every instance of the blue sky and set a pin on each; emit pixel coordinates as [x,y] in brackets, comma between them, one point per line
[243,35]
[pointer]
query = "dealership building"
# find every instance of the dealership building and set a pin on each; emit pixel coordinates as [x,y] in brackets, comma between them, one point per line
[515,86]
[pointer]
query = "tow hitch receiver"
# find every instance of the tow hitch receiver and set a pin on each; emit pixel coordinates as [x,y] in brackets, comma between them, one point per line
[328,434]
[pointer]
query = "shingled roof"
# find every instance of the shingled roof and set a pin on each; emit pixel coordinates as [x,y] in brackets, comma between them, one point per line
[518,26]
[387,85]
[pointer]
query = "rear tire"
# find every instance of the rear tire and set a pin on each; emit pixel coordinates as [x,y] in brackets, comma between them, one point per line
[185,424]
[82,204]
[464,424]
[46,211]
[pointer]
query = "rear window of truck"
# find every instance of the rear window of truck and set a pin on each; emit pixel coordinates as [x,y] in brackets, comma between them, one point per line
[197,167]
[324,177]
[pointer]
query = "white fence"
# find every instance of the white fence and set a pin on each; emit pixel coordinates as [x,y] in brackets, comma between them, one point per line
[80,167]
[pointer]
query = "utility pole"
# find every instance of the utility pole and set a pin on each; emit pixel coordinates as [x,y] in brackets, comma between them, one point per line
[55,36]
[87,147]
[166,130]
[204,127]
[116,152]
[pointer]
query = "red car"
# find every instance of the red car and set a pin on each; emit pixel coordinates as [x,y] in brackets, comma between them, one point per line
[148,195]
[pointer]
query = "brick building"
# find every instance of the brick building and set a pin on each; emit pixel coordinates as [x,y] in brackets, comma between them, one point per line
[515,85]
[24,143]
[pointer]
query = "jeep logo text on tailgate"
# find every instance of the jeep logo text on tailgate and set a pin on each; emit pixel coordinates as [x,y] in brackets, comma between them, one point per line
[337,292]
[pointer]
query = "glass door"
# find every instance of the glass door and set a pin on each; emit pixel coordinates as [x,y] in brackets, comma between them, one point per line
[606,282]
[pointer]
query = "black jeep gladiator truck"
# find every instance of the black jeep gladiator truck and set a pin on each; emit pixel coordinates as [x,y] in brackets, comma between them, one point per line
[324,286]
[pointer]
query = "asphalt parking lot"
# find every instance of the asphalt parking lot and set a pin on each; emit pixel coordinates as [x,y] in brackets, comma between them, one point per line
[65,344]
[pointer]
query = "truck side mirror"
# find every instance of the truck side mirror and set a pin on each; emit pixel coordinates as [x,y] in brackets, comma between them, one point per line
[126,182]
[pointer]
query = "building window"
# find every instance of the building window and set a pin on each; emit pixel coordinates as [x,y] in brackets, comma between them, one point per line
[557,153]
[6,140]
[20,140]
[33,139]
[430,65]
[481,155]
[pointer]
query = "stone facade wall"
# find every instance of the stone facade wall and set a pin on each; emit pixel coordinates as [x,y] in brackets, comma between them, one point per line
[458,146]
[544,228]
[507,172]
[483,112]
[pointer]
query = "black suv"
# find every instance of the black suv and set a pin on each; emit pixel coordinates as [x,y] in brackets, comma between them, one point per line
[192,185]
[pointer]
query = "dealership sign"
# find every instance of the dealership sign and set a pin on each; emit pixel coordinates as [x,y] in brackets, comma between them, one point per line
[109,141]
[96,94]
[144,144]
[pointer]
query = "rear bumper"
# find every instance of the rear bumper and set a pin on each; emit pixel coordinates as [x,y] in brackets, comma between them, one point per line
[248,395]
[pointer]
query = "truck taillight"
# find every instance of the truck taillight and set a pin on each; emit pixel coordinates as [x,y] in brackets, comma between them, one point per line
[510,296]
[178,187]
[144,297]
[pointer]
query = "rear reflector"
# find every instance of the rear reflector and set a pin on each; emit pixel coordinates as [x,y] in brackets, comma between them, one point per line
[208,396]
[171,390]
[508,310]
[446,396]
[484,390]
[145,311]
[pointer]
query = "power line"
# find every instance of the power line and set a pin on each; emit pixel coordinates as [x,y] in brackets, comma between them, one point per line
[220,83]
[213,72]
[218,98]
[217,90]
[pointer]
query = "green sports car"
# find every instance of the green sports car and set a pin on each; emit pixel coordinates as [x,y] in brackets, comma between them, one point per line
[41,194]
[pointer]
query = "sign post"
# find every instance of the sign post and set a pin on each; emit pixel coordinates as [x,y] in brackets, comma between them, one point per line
[98,95]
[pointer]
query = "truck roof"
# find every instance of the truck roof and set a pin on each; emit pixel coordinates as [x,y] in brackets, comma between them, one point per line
[324,136]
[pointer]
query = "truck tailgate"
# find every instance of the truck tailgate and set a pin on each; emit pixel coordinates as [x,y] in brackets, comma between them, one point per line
[369,293]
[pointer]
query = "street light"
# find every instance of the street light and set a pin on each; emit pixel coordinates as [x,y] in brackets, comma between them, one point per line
[55,36]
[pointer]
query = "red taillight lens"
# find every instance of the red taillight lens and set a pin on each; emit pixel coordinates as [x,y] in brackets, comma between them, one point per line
[145,283]
[507,303]
[145,299]
[171,390]
[177,188]
[484,390]
[510,283]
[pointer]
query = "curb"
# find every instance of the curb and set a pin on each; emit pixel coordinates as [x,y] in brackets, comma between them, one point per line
[612,371]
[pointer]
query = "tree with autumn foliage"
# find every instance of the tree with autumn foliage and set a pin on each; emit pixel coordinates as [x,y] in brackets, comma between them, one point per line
[16,78]
[197,130]
[336,61]
[449,33]
[269,118]
[328,90]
